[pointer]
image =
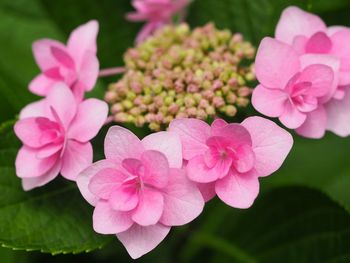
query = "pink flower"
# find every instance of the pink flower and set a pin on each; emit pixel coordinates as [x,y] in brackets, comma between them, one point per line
[75,64]
[55,132]
[308,34]
[139,191]
[156,13]
[294,88]
[228,159]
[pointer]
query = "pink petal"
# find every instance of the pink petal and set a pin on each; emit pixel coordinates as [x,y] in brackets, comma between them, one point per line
[321,77]
[33,182]
[182,200]
[198,171]
[62,101]
[78,90]
[318,43]
[43,55]
[84,178]
[35,109]
[326,60]
[120,143]
[299,43]
[193,134]
[146,31]
[156,168]
[139,240]
[292,118]
[234,135]
[30,130]
[48,150]
[106,181]
[150,207]
[338,112]
[41,85]
[76,157]
[124,199]
[342,51]
[136,17]
[271,144]
[108,221]
[207,191]
[217,125]
[270,102]
[294,22]
[276,63]
[88,70]
[238,190]
[83,39]
[245,159]
[28,165]
[62,57]
[315,124]
[331,30]
[168,143]
[90,117]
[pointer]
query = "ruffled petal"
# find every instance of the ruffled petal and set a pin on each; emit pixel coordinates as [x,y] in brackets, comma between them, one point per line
[149,209]
[182,200]
[238,190]
[76,157]
[294,22]
[83,39]
[120,143]
[276,63]
[270,102]
[108,221]
[139,240]
[338,112]
[84,178]
[193,134]
[90,117]
[168,143]
[271,144]
[156,171]
[315,124]
[28,165]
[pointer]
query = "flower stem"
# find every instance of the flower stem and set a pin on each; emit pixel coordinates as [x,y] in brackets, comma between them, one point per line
[111,71]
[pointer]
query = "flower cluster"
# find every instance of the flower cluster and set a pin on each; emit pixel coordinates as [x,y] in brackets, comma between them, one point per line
[180,73]
[304,75]
[178,78]
[56,130]
[143,188]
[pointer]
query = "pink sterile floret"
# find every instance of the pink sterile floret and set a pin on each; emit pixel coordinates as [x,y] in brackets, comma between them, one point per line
[228,159]
[75,64]
[294,88]
[140,190]
[308,34]
[55,132]
[156,13]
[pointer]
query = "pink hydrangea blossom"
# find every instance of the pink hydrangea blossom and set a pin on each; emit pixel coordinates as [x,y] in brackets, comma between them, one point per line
[294,87]
[55,133]
[139,191]
[308,34]
[75,64]
[228,159]
[156,13]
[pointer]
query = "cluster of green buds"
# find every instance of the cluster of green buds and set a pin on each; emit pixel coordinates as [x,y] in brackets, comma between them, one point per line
[179,73]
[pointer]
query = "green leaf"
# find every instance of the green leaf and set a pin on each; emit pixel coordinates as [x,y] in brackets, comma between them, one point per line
[257,19]
[53,219]
[291,224]
[322,164]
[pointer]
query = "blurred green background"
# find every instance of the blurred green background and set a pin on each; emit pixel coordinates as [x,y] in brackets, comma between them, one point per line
[302,214]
